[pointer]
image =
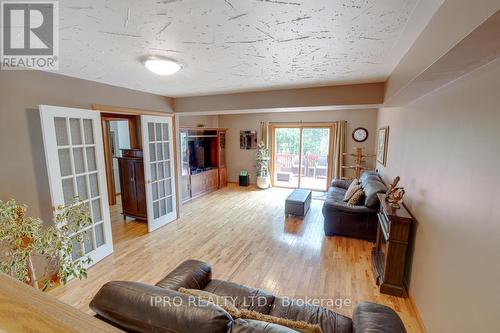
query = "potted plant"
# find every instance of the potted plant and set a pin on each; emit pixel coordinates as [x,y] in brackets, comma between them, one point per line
[24,238]
[262,166]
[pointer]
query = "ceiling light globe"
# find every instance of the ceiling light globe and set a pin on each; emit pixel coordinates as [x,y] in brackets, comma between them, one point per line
[162,66]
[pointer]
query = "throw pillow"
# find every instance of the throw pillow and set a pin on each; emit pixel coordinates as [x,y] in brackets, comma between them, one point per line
[222,301]
[356,198]
[227,304]
[351,189]
[300,326]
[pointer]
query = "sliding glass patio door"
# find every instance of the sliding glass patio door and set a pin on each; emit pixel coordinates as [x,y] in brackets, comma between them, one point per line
[286,157]
[301,156]
[315,158]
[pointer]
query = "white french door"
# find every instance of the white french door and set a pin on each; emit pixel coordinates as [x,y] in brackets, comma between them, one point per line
[157,138]
[75,163]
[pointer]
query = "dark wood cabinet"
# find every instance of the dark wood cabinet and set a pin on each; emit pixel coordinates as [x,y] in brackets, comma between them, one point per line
[132,184]
[390,254]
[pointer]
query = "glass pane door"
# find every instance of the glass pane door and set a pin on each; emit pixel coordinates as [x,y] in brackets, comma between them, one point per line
[315,162]
[75,163]
[286,157]
[159,170]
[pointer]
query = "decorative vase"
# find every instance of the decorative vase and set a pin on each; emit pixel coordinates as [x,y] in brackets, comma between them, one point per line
[264,182]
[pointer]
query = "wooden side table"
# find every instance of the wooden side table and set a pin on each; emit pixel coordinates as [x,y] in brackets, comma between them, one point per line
[390,254]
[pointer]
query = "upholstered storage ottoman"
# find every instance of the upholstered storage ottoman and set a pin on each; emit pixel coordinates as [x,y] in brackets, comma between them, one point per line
[298,202]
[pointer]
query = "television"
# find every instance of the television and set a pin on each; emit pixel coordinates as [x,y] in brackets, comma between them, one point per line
[200,154]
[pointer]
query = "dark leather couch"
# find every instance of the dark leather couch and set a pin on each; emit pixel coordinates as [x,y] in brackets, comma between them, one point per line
[137,307]
[354,221]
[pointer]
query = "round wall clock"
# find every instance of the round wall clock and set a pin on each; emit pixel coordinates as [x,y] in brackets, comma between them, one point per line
[360,134]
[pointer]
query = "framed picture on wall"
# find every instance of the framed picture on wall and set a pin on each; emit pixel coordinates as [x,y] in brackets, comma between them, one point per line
[382,141]
[248,139]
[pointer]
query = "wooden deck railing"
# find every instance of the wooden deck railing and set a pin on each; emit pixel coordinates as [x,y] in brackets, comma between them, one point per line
[290,163]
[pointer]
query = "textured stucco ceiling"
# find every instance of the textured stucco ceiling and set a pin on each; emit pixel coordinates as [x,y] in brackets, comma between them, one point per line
[231,45]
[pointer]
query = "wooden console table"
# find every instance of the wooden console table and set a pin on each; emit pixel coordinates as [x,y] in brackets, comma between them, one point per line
[390,254]
[24,309]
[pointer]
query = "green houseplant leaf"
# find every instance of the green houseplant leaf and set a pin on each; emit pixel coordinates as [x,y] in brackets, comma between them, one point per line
[24,238]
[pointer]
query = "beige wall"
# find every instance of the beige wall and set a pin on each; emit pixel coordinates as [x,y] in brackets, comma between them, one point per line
[194,121]
[239,159]
[23,174]
[342,95]
[446,148]
[454,20]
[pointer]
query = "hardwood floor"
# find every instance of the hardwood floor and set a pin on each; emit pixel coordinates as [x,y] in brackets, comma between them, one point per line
[243,234]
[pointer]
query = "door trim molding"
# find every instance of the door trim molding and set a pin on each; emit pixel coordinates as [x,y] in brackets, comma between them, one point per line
[301,125]
[108,160]
[129,111]
[124,112]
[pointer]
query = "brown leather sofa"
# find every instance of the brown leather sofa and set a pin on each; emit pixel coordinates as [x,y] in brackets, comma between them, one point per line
[358,221]
[137,307]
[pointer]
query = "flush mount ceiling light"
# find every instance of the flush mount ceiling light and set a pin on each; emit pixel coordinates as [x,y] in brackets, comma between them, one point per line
[162,66]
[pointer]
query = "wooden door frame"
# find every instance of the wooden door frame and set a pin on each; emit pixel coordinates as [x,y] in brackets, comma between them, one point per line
[122,112]
[300,157]
[302,125]
[129,111]
[108,159]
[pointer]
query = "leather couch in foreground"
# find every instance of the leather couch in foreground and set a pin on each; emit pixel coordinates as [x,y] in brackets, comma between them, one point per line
[137,307]
[358,221]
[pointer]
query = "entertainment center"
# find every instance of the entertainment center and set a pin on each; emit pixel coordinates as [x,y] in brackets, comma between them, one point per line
[203,161]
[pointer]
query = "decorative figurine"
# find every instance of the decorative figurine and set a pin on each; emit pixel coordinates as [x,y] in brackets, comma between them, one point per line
[395,194]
